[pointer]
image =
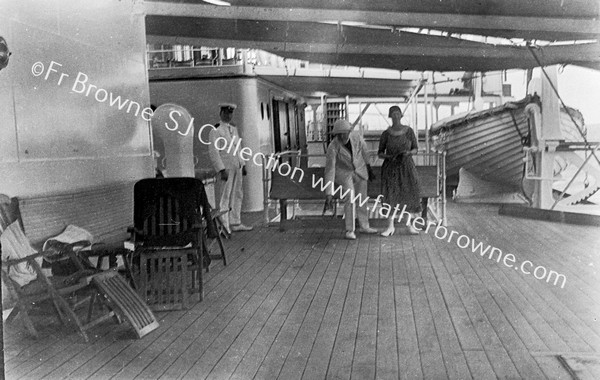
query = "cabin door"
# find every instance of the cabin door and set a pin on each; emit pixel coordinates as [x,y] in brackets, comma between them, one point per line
[285,127]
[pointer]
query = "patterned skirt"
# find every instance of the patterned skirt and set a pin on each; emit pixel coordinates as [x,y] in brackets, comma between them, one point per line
[400,183]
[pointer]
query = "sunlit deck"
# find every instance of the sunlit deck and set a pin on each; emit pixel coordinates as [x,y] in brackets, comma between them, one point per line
[306,303]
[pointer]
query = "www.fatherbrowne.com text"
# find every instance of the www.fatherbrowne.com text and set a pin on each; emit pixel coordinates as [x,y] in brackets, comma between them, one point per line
[82,85]
[234,147]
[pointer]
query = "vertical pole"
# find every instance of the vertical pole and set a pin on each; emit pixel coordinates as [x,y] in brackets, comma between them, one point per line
[426,101]
[477,82]
[347,108]
[326,123]
[415,119]
[546,135]
[220,57]
[245,61]
[550,131]
[362,132]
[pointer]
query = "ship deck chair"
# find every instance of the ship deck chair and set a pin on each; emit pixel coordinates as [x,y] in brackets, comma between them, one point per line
[214,232]
[170,241]
[30,287]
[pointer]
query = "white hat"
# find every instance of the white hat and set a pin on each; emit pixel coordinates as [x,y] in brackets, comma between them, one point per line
[341,126]
[231,106]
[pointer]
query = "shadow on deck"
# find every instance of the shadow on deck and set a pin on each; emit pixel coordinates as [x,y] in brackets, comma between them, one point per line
[306,303]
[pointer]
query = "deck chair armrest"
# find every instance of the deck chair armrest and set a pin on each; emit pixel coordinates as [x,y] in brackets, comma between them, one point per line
[47,254]
[133,232]
[7,280]
[11,262]
[77,243]
[216,214]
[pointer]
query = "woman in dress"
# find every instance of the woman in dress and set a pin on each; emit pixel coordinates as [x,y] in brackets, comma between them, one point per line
[399,178]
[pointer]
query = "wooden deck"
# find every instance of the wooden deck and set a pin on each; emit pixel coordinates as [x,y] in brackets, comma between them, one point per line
[307,304]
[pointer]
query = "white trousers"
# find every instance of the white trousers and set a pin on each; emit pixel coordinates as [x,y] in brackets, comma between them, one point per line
[231,195]
[352,210]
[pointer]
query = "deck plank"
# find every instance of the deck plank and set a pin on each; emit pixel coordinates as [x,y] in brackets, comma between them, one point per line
[432,361]
[543,298]
[297,303]
[305,303]
[454,360]
[209,329]
[257,351]
[132,361]
[112,351]
[340,366]
[387,342]
[409,360]
[278,258]
[364,360]
[552,367]
[218,373]
[320,356]
[295,363]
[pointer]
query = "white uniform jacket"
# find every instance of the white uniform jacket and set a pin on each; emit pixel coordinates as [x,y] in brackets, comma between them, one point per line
[225,158]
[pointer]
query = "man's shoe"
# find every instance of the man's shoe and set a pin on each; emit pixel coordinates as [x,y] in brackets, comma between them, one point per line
[350,235]
[240,227]
[367,230]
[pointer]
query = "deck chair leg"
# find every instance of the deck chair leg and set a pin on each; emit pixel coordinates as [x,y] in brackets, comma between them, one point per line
[22,311]
[221,230]
[222,248]
[13,314]
[29,325]
[93,301]
[61,316]
[72,317]
[205,251]
[91,308]
[101,305]
[128,262]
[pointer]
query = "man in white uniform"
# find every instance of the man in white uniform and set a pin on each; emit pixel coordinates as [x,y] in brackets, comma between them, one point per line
[230,168]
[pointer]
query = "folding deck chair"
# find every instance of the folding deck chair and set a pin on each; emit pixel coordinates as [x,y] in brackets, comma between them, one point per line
[214,232]
[31,288]
[172,225]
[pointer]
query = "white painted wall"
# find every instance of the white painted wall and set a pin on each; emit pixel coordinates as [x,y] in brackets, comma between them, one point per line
[53,138]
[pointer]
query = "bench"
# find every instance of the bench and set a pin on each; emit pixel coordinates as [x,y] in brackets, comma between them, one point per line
[430,168]
[106,212]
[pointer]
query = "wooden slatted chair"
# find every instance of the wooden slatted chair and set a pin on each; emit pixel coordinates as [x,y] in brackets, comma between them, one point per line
[214,236]
[31,288]
[169,241]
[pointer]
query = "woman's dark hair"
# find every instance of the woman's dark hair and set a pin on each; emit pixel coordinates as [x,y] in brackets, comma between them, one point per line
[392,109]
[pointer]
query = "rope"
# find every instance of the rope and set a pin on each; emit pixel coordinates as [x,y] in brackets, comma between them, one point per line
[587,144]
[516,125]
